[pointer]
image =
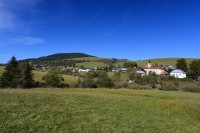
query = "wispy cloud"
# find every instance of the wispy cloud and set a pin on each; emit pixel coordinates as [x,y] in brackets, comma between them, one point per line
[9,17]
[28,41]
[13,24]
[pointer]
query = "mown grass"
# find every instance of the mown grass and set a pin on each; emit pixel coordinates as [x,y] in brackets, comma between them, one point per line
[99,110]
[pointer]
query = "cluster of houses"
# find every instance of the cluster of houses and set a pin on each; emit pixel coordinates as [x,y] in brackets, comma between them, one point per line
[159,70]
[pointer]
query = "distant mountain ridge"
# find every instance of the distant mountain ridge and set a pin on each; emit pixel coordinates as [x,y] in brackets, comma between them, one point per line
[58,56]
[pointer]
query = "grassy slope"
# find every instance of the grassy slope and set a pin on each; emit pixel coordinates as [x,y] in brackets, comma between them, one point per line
[94,62]
[101,110]
[68,78]
[87,59]
[163,61]
[91,64]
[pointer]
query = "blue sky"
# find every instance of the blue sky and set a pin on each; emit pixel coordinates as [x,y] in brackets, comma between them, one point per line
[127,29]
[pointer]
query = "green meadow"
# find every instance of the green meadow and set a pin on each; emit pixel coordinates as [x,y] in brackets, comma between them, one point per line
[163,61]
[98,110]
[91,64]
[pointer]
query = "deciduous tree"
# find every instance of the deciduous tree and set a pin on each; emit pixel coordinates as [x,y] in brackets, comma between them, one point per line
[53,79]
[182,64]
[195,69]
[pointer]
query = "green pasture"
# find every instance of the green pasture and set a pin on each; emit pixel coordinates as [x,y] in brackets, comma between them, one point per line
[98,110]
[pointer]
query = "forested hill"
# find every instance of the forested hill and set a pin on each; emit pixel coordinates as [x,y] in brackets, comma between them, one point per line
[59,56]
[56,59]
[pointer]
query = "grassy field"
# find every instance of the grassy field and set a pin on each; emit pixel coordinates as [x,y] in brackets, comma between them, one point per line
[162,61]
[68,78]
[91,64]
[87,59]
[100,110]
[39,74]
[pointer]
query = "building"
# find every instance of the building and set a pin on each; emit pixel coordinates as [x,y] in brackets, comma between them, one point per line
[178,73]
[142,73]
[159,70]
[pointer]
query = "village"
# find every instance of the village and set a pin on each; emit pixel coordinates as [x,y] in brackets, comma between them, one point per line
[146,70]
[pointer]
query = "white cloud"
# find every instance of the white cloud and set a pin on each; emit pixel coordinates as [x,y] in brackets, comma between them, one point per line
[9,17]
[28,41]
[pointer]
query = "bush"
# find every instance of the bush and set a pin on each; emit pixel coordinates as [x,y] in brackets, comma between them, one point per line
[53,79]
[168,87]
[192,89]
[105,82]
[121,85]
[39,84]
[63,85]
[141,80]
[88,83]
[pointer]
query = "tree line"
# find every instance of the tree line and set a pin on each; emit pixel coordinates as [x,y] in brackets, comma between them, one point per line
[193,70]
[20,75]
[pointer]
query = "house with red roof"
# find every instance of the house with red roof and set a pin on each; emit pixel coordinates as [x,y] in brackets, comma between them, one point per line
[159,70]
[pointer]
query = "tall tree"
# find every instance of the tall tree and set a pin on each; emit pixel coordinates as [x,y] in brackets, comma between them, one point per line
[182,64]
[12,75]
[27,76]
[195,69]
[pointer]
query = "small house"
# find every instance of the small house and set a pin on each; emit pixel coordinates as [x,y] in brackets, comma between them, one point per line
[178,73]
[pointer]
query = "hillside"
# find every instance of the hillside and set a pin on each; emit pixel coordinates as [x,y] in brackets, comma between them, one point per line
[59,56]
[163,61]
[60,59]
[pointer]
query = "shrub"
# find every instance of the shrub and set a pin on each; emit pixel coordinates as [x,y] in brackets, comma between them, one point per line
[53,79]
[168,87]
[121,85]
[171,78]
[192,89]
[141,80]
[88,83]
[38,84]
[105,82]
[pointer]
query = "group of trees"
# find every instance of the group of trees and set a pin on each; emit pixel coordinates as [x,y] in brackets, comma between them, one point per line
[97,79]
[17,75]
[20,75]
[193,70]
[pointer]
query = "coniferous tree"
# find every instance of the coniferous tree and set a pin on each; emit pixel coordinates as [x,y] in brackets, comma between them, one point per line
[27,76]
[12,75]
[182,64]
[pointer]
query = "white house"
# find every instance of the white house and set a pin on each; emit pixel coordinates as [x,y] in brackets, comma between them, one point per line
[142,73]
[178,73]
[84,70]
